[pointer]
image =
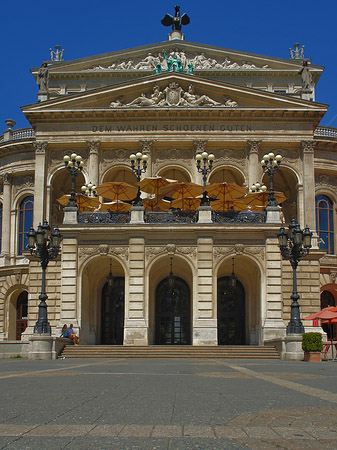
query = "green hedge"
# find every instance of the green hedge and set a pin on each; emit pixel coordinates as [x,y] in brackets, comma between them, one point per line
[312,342]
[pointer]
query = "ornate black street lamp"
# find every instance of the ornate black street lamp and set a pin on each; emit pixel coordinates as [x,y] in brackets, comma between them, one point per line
[89,189]
[294,245]
[204,166]
[45,245]
[74,164]
[138,166]
[270,163]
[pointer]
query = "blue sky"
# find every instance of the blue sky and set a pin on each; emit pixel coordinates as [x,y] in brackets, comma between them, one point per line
[85,28]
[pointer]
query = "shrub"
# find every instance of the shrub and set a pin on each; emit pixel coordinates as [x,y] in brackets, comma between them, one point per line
[312,342]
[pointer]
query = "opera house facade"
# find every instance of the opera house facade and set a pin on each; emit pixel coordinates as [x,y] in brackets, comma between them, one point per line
[173,240]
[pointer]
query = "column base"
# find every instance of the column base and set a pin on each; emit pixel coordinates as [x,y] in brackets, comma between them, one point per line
[135,332]
[205,332]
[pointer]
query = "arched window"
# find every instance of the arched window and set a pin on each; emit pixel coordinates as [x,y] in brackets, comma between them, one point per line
[324,222]
[25,221]
[0,224]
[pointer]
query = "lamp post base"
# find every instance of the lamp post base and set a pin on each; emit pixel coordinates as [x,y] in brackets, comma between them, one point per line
[294,350]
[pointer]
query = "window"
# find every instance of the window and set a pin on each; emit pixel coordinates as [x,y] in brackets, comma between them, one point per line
[0,225]
[25,222]
[324,223]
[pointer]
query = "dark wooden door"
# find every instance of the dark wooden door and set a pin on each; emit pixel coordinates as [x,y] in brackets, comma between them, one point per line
[173,313]
[231,312]
[112,313]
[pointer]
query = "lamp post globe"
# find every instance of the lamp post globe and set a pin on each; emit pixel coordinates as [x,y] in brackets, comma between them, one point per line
[270,164]
[138,163]
[74,165]
[204,163]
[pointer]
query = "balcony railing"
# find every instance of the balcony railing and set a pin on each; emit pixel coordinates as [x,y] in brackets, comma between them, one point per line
[171,217]
[325,132]
[238,217]
[105,217]
[29,133]
[17,135]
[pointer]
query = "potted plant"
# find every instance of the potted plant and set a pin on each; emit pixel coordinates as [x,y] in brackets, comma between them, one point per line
[312,346]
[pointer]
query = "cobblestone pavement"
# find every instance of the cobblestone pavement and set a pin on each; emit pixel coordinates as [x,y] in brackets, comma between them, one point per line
[167,404]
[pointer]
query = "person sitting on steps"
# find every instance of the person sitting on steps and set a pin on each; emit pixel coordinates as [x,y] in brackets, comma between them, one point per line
[70,334]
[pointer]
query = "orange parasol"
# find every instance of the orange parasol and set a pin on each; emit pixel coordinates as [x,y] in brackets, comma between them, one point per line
[182,190]
[260,199]
[83,202]
[225,191]
[155,204]
[186,204]
[152,185]
[117,190]
[236,205]
[115,206]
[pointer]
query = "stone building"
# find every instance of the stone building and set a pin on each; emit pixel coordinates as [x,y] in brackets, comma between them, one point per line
[170,101]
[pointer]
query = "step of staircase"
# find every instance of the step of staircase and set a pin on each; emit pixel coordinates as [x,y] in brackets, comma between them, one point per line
[160,351]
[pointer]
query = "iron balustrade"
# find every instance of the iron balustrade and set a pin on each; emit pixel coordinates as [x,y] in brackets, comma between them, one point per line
[171,217]
[238,216]
[103,217]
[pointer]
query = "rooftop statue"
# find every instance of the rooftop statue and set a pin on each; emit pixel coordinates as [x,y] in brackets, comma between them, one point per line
[177,21]
[297,53]
[43,78]
[306,76]
[56,55]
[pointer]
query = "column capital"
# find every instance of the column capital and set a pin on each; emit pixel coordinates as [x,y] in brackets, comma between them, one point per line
[93,146]
[199,146]
[6,178]
[40,147]
[253,146]
[308,146]
[146,146]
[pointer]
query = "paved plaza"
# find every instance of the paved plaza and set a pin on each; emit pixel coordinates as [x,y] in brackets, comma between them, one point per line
[167,404]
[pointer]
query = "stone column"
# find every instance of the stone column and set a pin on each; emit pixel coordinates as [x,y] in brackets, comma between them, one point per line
[6,216]
[49,190]
[273,326]
[93,161]
[69,312]
[309,189]
[136,318]
[204,305]
[300,204]
[254,169]
[40,182]
[146,149]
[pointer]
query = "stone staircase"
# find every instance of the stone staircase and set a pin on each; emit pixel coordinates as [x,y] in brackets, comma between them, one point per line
[178,351]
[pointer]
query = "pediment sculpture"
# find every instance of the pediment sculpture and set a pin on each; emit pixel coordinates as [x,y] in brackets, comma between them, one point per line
[197,61]
[173,95]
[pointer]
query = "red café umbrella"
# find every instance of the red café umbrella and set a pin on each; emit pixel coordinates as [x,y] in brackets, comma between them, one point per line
[326,315]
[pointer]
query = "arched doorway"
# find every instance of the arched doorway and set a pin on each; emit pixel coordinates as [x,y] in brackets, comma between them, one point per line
[112,312]
[21,314]
[173,312]
[231,312]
